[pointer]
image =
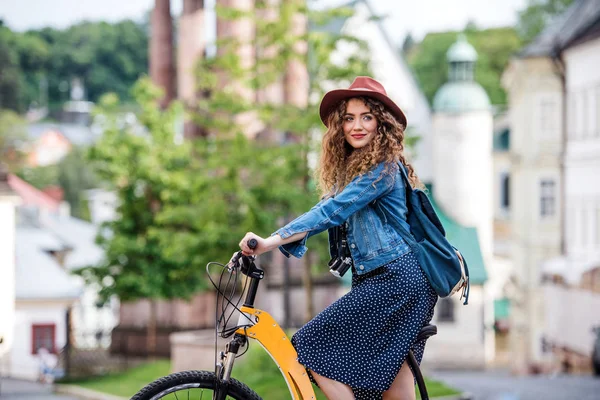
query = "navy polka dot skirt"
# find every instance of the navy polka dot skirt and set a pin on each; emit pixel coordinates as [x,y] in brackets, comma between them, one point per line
[364,337]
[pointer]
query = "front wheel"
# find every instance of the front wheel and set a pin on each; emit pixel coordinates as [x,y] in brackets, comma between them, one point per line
[192,384]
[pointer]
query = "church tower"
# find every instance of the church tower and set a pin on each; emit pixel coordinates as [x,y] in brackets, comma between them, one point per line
[462,146]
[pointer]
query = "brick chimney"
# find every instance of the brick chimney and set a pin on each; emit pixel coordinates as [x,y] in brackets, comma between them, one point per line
[274,92]
[242,31]
[191,47]
[162,70]
[296,80]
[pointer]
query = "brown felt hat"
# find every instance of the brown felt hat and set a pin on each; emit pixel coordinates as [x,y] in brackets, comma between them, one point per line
[362,86]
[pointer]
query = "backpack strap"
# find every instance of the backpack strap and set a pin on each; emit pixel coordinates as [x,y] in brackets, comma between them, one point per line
[407,186]
[403,171]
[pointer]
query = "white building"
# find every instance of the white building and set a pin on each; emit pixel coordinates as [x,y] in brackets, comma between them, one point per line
[8,204]
[534,95]
[554,98]
[92,320]
[44,293]
[49,245]
[573,306]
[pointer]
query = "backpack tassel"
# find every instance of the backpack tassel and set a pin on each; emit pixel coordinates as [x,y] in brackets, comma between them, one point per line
[465,292]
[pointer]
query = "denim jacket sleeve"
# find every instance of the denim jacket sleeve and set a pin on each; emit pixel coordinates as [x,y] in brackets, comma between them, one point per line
[333,211]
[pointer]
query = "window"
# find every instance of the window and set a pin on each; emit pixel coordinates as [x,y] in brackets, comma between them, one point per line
[572,115]
[547,198]
[505,191]
[548,118]
[445,311]
[591,113]
[581,115]
[43,336]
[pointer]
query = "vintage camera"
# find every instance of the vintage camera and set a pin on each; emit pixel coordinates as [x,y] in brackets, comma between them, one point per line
[340,265]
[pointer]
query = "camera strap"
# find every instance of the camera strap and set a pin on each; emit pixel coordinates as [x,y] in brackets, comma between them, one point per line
[341,233]
[343,250]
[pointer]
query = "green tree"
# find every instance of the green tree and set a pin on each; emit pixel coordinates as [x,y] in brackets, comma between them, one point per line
[10,73]
[33,54]
[494,48]
[74,177]
[12,138]
[537,15]
[108,57]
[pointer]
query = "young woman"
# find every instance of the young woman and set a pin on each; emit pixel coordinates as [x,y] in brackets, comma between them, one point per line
[356,347]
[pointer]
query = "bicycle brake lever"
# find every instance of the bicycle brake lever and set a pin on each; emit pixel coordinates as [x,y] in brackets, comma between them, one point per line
[252,243]
[236,260]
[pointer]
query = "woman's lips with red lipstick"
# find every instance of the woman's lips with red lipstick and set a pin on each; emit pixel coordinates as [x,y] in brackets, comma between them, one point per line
[358,136]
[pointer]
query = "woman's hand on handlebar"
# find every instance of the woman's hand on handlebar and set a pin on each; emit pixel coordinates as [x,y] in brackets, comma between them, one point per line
[267,244]
[263,245]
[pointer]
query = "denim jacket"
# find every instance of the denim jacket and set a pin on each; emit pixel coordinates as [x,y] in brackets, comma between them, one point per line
[373,206]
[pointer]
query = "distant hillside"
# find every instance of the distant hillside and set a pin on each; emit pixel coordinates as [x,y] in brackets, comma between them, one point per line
[494,46]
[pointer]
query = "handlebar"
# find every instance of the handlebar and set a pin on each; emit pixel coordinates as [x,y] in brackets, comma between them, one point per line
[252,243]
[247,268]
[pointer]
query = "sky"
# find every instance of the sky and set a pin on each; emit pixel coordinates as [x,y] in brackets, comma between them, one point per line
[402,16]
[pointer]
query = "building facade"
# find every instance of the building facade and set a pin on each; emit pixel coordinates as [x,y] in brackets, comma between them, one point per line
[50,305]
[554,96]
[8,204]
[534,95]
[573,307]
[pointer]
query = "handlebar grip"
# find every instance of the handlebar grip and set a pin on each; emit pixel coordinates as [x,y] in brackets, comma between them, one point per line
[252,243]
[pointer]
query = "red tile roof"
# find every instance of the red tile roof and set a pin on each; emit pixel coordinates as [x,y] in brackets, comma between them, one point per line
[32,196]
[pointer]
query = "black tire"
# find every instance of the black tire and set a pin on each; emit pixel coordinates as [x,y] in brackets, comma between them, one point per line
[195,383]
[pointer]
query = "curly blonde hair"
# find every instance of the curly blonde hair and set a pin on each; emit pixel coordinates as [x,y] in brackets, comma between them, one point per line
[340,162]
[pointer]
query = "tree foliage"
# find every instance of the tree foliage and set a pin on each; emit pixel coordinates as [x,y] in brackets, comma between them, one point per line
[537,15]
[12,137]
[494,48]
[10,73]
[107,57]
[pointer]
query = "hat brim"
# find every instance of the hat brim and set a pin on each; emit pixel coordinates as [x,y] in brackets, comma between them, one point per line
[333,98]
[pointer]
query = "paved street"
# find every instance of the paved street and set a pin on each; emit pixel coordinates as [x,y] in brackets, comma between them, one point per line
[500,385]
[11,389]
